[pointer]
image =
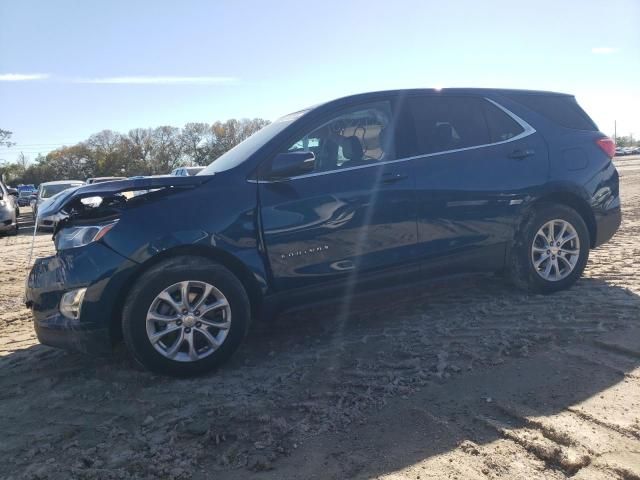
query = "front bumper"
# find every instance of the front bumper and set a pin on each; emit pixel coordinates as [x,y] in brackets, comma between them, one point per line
[7,221]
[98,268]
[49,222]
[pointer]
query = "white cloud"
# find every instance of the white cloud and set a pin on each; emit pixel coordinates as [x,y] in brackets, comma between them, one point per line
[22,77]
[157,80]
[603,50]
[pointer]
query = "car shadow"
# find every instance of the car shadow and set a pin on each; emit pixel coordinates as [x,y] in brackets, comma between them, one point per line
[465,361]
[368,385]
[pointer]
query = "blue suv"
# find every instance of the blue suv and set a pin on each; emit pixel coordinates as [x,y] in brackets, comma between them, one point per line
[355,193]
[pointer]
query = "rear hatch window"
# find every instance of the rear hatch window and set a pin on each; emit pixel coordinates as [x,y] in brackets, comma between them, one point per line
[560,109]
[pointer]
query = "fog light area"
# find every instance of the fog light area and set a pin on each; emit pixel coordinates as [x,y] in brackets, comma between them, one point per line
[71,303]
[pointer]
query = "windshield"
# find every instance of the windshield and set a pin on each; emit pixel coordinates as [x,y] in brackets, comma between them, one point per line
[251,145]
[51,190]
[25,193]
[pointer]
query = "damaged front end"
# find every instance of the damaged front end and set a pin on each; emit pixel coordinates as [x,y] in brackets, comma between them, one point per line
[109,198]
[73,292]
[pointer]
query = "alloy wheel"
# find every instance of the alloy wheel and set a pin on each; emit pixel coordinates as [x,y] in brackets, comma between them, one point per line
[188,321]
[555,250]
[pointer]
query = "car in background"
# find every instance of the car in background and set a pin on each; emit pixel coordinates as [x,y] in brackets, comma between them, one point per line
[46,191]
[186,171]
[9,210]
[103,179]
[24,197]
[619,152]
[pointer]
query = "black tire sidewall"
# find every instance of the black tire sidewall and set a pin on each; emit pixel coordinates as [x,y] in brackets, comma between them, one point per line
[523,267]
[150,284]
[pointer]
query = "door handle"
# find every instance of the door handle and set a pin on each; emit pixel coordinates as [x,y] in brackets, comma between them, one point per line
[390,177]
[520,154]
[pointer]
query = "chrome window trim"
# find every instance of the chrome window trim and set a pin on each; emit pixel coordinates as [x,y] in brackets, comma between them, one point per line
[526,131]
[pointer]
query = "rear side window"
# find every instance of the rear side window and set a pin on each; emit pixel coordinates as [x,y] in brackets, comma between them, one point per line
[501,126]
[560,109]
[448,123]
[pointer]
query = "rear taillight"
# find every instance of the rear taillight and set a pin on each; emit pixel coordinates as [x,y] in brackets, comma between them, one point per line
[607,145]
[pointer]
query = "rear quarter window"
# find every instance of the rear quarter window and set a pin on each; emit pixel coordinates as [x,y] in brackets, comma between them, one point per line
[501,126]
[560,109]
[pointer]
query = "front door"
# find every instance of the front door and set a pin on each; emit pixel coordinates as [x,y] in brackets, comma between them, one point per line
[354,214]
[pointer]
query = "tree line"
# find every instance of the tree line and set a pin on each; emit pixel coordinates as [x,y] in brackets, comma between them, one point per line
[142,151]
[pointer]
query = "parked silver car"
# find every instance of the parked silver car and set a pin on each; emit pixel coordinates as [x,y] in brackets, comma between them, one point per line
[8,210]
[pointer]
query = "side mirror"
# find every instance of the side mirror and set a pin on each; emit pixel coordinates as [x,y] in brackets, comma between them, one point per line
[290,164]
[13,192]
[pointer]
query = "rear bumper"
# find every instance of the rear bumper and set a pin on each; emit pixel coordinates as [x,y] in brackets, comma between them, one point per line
[607,223]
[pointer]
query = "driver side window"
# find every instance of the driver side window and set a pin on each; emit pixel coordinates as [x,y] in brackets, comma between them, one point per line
[358,136]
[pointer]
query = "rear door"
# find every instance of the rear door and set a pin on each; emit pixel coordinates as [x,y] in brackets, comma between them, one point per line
[354,214]
[475,164]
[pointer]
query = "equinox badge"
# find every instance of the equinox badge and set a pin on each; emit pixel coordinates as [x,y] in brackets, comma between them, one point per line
[306,251]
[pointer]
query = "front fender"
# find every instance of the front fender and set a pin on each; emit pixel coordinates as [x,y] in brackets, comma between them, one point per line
[212,218]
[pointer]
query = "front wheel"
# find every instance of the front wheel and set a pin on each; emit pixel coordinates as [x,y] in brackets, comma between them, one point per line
[185,316]
[551,250]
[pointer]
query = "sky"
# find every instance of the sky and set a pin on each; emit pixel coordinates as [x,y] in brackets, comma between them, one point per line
[69,69]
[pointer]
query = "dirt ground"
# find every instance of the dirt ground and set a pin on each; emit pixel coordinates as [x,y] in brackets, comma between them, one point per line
[467,379]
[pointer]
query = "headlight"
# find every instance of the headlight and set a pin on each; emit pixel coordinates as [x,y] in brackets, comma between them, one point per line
[78,236]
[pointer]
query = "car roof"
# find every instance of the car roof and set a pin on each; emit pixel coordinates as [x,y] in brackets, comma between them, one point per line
[62,182]
[362,97]
[460,91]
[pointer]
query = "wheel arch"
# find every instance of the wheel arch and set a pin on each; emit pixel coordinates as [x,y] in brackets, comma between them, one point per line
[244,275]
[572,200]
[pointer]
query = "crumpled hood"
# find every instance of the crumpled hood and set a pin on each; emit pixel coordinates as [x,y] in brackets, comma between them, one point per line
[60,202]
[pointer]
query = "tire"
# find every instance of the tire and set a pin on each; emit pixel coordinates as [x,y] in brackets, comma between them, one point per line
[530,248]
[143,299]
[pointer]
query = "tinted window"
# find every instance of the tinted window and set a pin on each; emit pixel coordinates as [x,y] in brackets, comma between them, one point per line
[561,109]
[356,136]
[501,126]
[448,123]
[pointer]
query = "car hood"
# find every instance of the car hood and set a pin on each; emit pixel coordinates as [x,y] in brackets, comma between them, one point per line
[61,202]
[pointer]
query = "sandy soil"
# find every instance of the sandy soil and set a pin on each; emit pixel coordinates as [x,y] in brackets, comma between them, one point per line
[467,379]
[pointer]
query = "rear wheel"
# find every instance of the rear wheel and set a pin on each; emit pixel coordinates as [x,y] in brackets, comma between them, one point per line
[185,316]
[551,250]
